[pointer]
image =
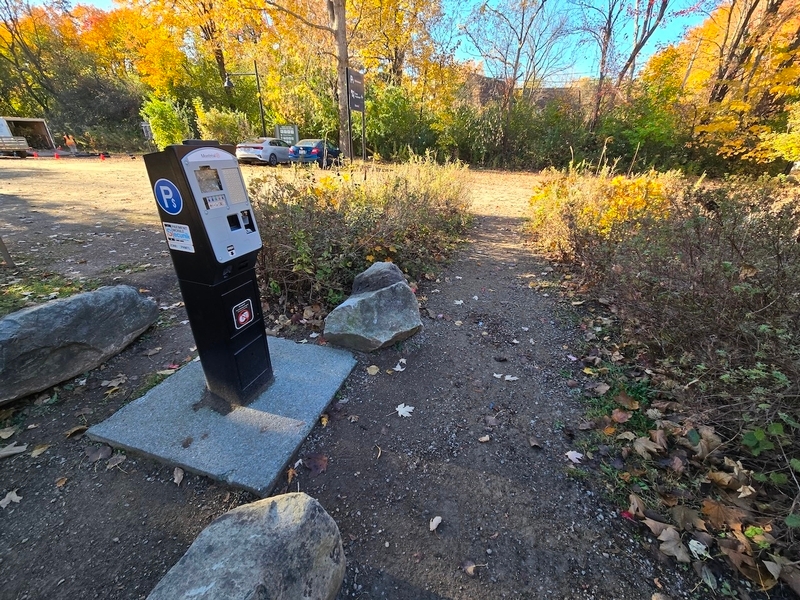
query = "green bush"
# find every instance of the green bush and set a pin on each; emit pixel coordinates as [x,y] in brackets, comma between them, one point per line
[318,235]
[226,127]
[169,122]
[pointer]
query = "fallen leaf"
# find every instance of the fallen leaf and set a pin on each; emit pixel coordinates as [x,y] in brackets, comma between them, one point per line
[750,567]
[10,497]
[177,476]
[39,450]
[672,545]
[404,410]
[435,521]
[469,567]
[628,435]
[534,442]
[698,550]
[623,399]
[76,431]
[686,518]
[317,463]
[659,438]
[620,416]
[574,456]
[115,460]
[7,432]
[510,378]
[324,419]
[353,418]
[12,449]
[483,439]
[720,515]
[95,453]
[637,507]
[773,568]
[290,475]
[746,491]
[152,352]
[657,527]
[644,446]
[497,375]
[705,574]
[676,464]
[601,388]
[723,479]
[61,482]
[373,369]
[118,380]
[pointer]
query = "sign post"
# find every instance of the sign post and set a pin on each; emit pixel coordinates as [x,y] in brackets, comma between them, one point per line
[355,102]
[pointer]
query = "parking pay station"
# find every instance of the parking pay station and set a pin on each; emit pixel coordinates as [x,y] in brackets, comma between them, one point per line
[214,240]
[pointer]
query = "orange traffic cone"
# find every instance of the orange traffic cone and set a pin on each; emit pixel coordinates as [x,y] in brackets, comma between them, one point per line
[35,154]
[102,156]
[57,156]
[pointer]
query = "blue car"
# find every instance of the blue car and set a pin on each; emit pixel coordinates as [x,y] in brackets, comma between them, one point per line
[319,151]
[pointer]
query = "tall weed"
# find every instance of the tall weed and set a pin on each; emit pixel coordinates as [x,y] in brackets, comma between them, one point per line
[319,233]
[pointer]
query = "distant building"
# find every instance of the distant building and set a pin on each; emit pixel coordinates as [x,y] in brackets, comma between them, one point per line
[480,90]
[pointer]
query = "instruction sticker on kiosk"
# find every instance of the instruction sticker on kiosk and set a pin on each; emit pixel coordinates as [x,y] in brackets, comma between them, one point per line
[243,313]
[179,237]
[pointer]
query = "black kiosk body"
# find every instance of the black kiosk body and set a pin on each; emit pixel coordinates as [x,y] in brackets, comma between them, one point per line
[214,240]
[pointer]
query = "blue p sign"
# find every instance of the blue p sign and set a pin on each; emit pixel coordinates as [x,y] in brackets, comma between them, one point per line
[168,196]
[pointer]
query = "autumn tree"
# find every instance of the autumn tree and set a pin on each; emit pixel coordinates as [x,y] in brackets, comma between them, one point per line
[62,64]
[741,69]
[333,22]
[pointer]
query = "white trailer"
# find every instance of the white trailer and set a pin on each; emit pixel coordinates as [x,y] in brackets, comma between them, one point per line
[20,135]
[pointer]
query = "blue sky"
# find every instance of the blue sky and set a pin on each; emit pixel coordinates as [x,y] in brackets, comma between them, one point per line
[586,64]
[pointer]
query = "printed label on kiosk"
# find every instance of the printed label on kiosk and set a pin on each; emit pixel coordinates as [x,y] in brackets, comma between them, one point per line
[243,314]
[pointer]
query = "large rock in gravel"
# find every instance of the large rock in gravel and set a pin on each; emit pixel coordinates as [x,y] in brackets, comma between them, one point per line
[281,547]
[50,343]
[381,311]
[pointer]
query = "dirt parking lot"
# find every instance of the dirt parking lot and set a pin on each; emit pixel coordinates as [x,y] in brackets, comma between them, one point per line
[492,364]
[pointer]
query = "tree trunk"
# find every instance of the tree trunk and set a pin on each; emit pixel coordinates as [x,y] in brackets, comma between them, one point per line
[339,25]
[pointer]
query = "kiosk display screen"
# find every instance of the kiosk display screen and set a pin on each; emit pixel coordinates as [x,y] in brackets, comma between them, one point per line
[208,180]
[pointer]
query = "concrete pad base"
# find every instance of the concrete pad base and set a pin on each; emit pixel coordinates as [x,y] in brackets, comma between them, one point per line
[246,448]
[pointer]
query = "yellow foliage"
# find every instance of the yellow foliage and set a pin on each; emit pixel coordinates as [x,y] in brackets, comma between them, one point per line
[569,209]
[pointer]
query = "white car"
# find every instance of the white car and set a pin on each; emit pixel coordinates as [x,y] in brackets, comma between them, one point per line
[263,150]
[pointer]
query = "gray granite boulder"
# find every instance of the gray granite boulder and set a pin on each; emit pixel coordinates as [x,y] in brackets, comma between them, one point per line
[50,343]
[381,311]
[281,547]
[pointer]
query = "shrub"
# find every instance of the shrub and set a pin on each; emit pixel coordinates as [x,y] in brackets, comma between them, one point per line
[580,215]
[226,127]
[319,234]
[169,122]
[704,281]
